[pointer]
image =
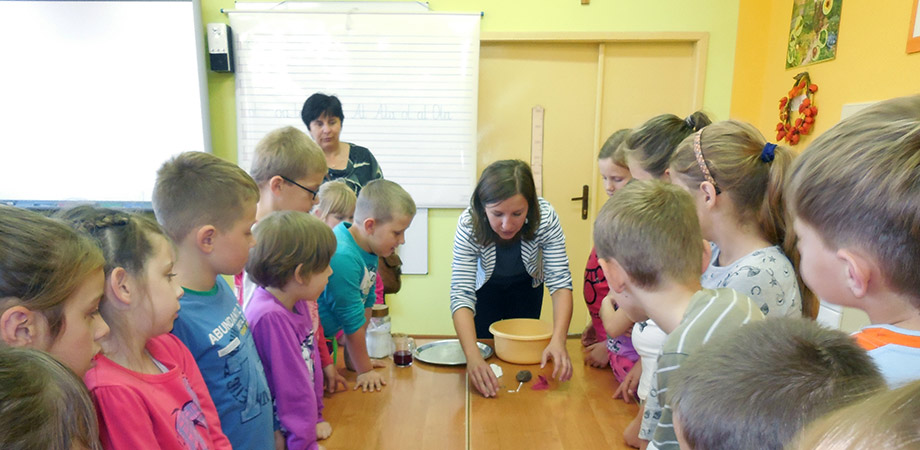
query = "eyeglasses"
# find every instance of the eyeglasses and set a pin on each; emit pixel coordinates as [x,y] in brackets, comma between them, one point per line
[299,185]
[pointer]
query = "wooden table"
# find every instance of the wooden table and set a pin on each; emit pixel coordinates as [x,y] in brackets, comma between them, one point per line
[434,407]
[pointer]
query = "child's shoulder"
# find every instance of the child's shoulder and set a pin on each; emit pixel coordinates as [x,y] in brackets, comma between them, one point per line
[712,312]
[878,335]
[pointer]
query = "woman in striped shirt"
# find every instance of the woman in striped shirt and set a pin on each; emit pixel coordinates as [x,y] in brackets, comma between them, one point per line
[508,244]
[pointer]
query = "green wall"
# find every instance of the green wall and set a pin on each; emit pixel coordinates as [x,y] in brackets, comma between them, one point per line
[422,306]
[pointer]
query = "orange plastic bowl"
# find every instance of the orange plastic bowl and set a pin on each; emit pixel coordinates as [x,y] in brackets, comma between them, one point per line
[521,341]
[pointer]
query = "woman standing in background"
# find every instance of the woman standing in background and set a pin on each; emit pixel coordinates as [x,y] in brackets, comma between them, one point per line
[353,164]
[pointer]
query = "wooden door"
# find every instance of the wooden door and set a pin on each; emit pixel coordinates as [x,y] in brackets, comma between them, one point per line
[588,90]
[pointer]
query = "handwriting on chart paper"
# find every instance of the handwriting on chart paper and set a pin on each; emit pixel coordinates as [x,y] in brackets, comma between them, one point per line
[379,111]
[402,112]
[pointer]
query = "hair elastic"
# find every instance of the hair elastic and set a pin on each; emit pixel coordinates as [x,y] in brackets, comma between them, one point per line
[689,122]
[698,151]
[768,153]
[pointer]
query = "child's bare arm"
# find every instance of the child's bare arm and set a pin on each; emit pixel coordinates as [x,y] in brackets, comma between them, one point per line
[616,322]
[368,379]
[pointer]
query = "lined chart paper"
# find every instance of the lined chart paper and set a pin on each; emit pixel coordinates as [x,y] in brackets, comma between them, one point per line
[408,83]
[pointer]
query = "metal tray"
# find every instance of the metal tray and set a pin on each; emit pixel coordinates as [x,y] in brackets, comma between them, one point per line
[447,352]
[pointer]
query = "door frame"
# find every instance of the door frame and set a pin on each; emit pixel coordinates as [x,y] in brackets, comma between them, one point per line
[698,39]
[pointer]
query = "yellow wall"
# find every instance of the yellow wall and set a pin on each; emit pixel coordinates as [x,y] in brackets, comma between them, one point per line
[871,65]
[871,62]
[421,308]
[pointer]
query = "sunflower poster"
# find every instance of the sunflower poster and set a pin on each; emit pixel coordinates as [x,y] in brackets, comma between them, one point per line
[813,32]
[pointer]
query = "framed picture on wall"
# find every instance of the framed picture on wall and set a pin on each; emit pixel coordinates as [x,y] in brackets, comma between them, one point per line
[813,32]
[913,37]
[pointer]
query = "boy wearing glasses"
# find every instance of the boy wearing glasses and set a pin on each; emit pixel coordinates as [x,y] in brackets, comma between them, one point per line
[289,167]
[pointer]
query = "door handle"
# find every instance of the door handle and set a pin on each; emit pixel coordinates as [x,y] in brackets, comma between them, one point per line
[584,202]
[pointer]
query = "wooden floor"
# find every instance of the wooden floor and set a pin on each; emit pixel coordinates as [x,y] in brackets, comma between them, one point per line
[432,407]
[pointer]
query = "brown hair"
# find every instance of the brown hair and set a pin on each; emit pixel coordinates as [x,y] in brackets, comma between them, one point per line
[733,151]
[858,185]
[196,188]
[381,200]
[43,405]
[287,152]
[125,240]
[335,197]
[653,143]
[42,263]
[614,149]
[651,229]
[285,239]
[756,386]
[500,181]
[887,420]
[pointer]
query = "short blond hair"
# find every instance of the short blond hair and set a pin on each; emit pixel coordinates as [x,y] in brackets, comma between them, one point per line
[335,197]
[287,152]
[887,420]
[42,263]
[651,229]
[383,200]
[858,185]
[196,188]
[284,240]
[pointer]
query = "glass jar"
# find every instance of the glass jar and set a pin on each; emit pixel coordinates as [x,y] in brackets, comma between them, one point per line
[379,339]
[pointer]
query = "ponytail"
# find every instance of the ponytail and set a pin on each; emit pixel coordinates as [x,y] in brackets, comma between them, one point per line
[751,172]
[653,143]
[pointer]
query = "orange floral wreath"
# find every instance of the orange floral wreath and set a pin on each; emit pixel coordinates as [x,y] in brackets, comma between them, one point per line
[801,97]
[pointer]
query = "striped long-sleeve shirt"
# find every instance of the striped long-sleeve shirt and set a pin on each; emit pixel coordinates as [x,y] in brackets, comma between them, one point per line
[544,258]
[711,312]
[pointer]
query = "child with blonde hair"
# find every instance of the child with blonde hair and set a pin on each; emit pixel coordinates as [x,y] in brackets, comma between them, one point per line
[51,282]
[289,168]
[736,179]
[889,420]
[383,212]
[43,405]
[290,263]
[146,385]
[855,196]
[648,151]
[650,247]
[336,203]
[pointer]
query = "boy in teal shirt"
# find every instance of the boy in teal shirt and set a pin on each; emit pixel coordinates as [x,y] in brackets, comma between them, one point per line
[383,212]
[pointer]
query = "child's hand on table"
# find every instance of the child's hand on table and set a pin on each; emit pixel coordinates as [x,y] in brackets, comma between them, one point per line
[596,355]
[333,379]
[323,430]
[370,381]
[378,363]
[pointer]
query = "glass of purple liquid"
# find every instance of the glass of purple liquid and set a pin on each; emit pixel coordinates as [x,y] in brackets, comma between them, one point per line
[404,348]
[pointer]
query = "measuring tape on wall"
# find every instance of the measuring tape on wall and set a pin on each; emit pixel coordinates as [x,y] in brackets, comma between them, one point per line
[536,147]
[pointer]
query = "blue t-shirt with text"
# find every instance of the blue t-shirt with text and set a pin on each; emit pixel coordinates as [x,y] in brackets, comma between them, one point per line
[211,324]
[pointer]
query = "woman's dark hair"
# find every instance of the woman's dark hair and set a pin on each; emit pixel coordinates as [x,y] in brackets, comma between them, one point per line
[319,104]
[500,181]
[653,143]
